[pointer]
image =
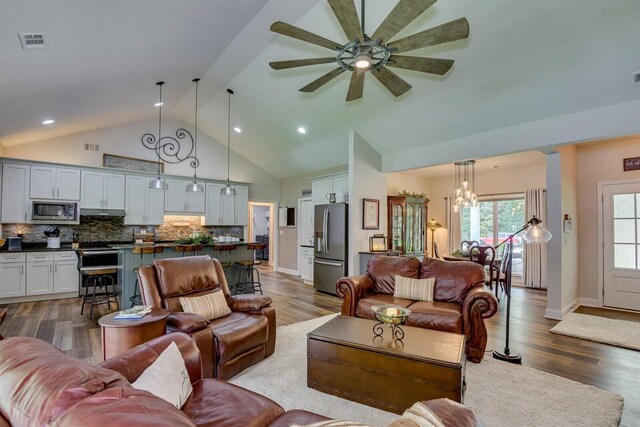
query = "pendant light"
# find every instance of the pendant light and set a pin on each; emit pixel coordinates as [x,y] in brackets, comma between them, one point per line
[228,190]
[159,183]
[195,186]
[465,195]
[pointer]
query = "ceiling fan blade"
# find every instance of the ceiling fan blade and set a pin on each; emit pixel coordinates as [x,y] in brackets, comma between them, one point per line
[283,65]
[356,86]
[391,81]
[304,35]
[401,15]
[345,11]
[322,80]
[426,65]
[451,31]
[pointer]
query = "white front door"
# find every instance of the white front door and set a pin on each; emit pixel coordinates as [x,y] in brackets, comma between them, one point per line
[621,232]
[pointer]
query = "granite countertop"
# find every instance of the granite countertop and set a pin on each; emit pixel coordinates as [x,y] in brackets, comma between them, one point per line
[66,246]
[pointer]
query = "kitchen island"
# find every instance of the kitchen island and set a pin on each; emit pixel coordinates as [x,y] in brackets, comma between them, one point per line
[130,261]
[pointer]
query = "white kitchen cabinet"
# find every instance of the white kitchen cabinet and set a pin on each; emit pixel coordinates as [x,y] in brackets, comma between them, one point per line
[305,223]
[143,206]
[213,208]
[54,183]
[178,200]
[102,190]
[226,210]
[12,275]
[322,187]
[16,206]
[306,264]
[65,272]
[39,277]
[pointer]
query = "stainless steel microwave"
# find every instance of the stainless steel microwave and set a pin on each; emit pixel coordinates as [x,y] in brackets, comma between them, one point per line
[54,212]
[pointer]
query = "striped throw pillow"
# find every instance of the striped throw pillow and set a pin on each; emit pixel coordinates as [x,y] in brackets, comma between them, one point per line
[415,289]
[210,306]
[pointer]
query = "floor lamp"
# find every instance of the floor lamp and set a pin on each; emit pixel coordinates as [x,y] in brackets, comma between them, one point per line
[534,233]
[433,226]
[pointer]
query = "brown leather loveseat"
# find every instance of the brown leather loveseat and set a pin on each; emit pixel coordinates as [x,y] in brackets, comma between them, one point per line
[228,344]
[40,385]
[460,302]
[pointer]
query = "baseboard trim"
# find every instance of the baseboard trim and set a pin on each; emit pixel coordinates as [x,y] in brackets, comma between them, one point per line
[34,298]
[589,302]
[287,271]
[552,313]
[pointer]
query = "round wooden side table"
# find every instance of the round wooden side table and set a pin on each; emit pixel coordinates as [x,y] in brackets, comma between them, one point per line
[119,336]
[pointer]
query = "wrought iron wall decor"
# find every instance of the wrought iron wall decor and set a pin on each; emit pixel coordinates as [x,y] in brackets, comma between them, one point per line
[171,149]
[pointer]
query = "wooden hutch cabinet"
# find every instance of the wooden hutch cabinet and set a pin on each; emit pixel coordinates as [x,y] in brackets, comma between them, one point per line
[407,217]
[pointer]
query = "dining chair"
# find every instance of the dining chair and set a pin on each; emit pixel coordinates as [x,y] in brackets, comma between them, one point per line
[503,272]
[436,251]
[485,256]
[466,245]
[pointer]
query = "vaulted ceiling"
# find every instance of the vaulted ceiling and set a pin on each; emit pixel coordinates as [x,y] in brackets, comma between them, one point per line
[524,61]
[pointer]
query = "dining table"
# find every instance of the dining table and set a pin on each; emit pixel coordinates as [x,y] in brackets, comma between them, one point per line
[495,266]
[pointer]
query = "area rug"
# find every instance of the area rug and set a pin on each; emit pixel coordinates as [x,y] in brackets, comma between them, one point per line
[501,394]
[620,333]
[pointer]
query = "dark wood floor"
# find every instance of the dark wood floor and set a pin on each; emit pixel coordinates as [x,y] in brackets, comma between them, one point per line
[603,366]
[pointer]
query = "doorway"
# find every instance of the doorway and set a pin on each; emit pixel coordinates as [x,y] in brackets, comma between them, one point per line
[620,248]
[261,228]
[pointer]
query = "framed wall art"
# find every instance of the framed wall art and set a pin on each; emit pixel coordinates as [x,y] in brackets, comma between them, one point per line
[370,214]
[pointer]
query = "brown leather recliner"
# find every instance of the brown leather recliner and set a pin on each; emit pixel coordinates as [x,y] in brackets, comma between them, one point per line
[460,302]
[228,344]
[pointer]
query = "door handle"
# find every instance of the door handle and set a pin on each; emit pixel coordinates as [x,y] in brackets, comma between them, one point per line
[332,264]
[25,215]
[50,268]
[325,231]
[55,268]
[106,202]
[58,190]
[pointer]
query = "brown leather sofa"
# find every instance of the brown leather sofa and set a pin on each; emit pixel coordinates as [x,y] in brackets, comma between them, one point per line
[460,302]
[40,385]
[232,343]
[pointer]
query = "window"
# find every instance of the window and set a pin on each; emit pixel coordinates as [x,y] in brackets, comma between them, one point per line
[493,221]
[626,227]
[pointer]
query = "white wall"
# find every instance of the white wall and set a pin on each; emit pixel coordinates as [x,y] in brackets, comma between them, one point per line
[562,249]
[598,162]
[126,141]
[260,221]
[366,180]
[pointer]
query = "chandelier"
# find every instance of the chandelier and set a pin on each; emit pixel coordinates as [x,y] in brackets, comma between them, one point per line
[465,195]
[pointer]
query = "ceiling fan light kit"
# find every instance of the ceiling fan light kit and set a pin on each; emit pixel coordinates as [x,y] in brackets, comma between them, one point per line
[362,54]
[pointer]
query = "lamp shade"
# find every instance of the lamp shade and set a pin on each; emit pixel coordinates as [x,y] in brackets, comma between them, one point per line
[536,233]
[195,187]
[158,184]
[228,190]
[433,225]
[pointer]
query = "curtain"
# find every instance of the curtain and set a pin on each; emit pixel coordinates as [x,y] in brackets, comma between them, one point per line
[454,226]
[535,256]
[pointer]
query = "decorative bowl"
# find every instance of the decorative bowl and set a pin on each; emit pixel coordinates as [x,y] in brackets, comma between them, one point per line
[391,314]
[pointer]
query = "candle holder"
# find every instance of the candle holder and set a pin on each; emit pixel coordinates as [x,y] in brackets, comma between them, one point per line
[392,316]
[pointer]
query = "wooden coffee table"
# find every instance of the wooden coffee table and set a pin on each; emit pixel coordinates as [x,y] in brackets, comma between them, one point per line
[345,359]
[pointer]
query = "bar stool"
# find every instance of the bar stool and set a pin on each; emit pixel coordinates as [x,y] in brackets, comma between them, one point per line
[248,268]
[225,258]
[93,278]
[142,250]
[187,248]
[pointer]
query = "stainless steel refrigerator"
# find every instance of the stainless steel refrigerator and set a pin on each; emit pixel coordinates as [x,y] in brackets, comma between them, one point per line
[330,246]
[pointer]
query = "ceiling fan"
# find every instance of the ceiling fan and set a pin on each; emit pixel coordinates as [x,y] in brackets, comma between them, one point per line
[377,52]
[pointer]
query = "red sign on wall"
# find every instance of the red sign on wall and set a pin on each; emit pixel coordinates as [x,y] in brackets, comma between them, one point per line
[631,164]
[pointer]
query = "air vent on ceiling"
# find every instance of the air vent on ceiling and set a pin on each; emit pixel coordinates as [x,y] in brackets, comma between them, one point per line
[33,40]
[636,78]
[92,147]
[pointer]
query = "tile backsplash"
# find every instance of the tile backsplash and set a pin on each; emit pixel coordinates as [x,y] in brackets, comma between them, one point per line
[113,229]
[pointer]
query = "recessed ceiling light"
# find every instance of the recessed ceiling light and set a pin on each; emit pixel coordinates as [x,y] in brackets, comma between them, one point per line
[302,130]
[158,104]
[237,129]
[48,122]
